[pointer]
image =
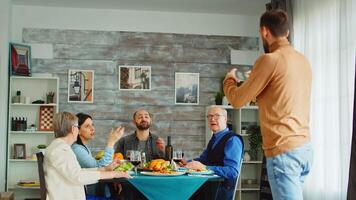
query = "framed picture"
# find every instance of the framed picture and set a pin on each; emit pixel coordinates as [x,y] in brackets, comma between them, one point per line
[46,118]
[135,78]
[19,151]
[20,59]
[187,88]
[81,86]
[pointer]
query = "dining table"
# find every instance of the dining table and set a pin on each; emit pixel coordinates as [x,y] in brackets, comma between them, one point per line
[183,186]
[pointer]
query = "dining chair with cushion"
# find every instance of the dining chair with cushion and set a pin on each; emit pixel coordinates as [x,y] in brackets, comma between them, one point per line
[43,189]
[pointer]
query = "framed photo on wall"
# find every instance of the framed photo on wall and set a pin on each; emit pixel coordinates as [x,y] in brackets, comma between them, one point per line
[19,151]
[187,88]
[135,78]
[20,59]
[81,86]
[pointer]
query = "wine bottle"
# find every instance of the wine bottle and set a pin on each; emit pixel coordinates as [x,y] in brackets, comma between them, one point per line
[169,149]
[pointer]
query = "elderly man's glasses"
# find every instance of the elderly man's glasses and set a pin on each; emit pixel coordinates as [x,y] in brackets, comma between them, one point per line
[216,116]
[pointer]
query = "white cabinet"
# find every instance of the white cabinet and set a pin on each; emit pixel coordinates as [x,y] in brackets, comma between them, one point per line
[22,142]
[239,120]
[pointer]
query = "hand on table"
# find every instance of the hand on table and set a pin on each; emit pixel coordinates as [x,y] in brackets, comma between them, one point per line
[111,166]
[182,163]
[195,165]
[119,174]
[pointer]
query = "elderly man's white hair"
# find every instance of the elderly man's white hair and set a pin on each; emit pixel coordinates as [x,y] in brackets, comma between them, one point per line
[223,110]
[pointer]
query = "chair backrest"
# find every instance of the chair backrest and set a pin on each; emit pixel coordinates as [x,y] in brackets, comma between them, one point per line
[237,179]
[43,189]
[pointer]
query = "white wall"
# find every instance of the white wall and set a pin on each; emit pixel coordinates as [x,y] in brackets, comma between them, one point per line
[4,38]
[125,20]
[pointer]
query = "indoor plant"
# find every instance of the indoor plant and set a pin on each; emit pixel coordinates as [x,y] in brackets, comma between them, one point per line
[41,148]
[218,98]
[50,97]
[255,141]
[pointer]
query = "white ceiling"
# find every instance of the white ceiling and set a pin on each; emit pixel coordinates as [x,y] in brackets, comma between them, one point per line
[240,7]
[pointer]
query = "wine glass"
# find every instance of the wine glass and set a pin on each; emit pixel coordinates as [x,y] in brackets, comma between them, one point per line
[128,154]
[135,159]
[177,156]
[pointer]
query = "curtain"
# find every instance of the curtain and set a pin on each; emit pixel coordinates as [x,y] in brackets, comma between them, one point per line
[285,5]
[351,192]
[324,31]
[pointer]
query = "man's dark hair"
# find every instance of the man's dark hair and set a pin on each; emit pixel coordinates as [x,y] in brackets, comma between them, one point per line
[276,21]
[134,115]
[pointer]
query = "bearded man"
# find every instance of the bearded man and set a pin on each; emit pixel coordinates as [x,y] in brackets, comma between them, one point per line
[142,139]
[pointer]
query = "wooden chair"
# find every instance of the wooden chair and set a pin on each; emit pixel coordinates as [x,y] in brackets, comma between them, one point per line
[43,189]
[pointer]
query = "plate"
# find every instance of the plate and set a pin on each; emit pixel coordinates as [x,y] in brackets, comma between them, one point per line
[160,174]
[208,172]
[182,169]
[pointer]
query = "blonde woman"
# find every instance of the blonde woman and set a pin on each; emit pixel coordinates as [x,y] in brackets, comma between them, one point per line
[65,179]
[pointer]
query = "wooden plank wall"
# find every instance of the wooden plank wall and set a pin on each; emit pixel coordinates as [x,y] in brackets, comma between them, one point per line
[166,53]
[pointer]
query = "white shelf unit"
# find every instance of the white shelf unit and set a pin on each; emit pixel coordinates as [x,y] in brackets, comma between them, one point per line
[26,169]
[249,182]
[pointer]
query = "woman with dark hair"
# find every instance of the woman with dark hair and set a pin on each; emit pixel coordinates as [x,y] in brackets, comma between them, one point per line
[83,153]
[64,176]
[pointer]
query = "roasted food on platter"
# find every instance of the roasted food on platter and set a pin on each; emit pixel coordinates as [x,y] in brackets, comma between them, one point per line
[159,165]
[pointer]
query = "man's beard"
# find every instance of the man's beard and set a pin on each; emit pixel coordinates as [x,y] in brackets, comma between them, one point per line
[143,126]
[265,46]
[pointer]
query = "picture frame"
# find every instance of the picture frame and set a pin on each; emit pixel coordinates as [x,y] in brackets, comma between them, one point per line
[19,151]
[186,88]
[136,78]
[20,59]
[81,86]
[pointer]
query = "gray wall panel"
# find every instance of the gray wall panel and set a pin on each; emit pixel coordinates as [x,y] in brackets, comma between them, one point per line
[166,53]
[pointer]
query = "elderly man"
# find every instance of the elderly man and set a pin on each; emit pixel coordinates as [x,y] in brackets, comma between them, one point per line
[223,153]
[142,139]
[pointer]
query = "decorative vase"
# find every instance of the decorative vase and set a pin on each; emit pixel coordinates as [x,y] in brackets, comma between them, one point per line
[247,156]
[224,101]
[42,150]
[50,99]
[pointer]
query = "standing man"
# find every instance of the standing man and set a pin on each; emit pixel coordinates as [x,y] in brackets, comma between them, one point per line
[142,139]
[281,82]
[223,154]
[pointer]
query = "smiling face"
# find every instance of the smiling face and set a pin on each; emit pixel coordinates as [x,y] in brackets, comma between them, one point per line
[217,119]
[87,130]
[142,120]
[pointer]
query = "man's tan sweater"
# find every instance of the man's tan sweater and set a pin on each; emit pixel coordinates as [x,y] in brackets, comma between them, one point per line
[281,82]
